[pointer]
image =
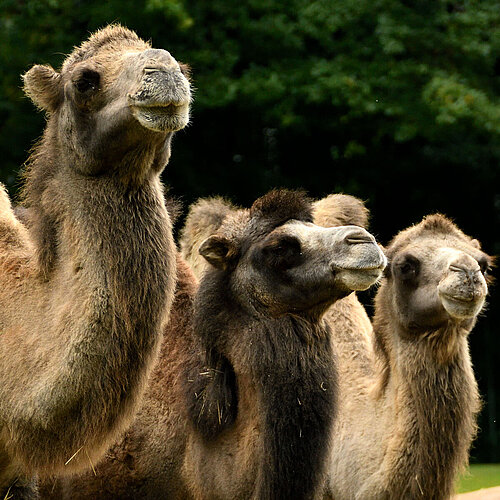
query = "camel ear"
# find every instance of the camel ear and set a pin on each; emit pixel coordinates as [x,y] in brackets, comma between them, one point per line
[218,251]
[475,243]
[42,84]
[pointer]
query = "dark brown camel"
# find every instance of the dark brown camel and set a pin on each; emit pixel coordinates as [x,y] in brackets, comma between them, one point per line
[87,284]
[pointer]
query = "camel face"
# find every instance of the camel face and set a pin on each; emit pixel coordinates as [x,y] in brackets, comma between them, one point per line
[300,265]
[296,267]
[161,100]
[113,94]
[439,276]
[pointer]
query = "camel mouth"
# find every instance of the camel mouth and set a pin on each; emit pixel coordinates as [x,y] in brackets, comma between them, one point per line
[359,279]
[161,103]
[462,307]
[161,117]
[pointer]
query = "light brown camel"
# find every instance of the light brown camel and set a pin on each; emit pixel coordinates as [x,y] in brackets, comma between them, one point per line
[87,284]
[408,406]
[242,401]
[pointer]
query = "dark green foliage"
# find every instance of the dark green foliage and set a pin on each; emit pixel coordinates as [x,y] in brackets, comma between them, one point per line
[393,101]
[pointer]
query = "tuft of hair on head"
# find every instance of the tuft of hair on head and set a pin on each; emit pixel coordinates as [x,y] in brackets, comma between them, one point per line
[204,217]
[280,205]
[340,210]
[439,223]
[113,35]
[431,225]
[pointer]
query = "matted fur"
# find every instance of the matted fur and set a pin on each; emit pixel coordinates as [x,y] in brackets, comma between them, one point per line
[87,281]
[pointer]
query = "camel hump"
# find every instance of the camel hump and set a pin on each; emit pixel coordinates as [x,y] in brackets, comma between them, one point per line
[10,233]
[204,218]
[341,210]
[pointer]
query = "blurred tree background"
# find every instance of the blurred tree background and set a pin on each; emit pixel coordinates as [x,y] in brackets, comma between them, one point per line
[397,102]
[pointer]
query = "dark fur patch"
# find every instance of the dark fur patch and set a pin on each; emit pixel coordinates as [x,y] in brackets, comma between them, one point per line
[298,393]
[293,366]
[213,402]
[281,205]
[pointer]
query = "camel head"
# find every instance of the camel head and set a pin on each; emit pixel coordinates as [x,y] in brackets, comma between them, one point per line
[114,98]
[437,275]
[275,258]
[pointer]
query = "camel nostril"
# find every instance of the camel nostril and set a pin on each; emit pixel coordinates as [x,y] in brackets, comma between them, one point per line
[470,272]
[458,269]
[358,237]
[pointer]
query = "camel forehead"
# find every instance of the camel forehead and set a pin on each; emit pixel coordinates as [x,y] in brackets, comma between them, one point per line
[105,43]
[437,248]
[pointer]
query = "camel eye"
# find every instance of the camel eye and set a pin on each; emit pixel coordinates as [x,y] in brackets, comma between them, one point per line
[87,82]
[283,252]
[408,268]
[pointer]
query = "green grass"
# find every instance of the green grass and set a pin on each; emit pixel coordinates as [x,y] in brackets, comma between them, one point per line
[479,476]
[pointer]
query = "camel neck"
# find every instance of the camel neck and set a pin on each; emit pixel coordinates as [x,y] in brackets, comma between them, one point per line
[107,276]
[290,364]
[434,400]
[295,377]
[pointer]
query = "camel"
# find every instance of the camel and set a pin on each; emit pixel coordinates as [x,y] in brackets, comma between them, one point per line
[410,399]
[87,283]
[242,401]
[384,445]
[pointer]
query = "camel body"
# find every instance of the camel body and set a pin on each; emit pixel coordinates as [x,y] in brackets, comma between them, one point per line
[87,280]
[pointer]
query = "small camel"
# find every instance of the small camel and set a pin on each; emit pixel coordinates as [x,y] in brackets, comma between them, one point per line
[87,283]
[242,401]
[409,400]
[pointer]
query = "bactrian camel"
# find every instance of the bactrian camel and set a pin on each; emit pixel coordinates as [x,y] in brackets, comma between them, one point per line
[243,399]
[87,284]
[410,399]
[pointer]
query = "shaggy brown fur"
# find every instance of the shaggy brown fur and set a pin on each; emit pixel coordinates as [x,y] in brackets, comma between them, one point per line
[416,392]
[87,284]
[242,402]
